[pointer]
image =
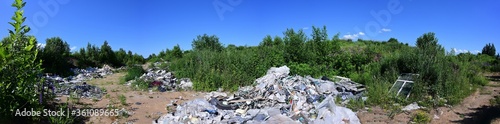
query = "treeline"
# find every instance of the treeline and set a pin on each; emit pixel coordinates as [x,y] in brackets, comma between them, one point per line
[443,75]
[57,58]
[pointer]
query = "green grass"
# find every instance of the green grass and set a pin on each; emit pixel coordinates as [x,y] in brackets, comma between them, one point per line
[123,99]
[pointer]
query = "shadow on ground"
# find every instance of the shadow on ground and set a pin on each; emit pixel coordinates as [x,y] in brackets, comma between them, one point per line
[482,115]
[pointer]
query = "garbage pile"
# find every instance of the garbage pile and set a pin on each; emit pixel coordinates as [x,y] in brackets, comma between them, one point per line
[275,98]
[164,80]
[91,73]
[76,85]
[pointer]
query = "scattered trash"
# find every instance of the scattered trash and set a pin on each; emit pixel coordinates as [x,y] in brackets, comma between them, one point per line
[77,84]
[163,80]
[412,106]
[138,103]
[275,98]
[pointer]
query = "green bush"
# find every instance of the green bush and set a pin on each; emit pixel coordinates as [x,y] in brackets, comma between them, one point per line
[140,85]
[421,117]
[134,72]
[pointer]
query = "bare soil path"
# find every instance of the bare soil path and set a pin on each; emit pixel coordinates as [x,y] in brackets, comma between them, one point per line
[145,106]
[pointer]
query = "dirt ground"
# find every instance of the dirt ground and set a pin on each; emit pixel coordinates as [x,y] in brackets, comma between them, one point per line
[145,106]
[475,109]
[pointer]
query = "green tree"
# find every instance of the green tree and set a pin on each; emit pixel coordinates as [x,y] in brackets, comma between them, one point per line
[393,40]
[19,70]
[177,52]
[121,56]
[489,49]
[294,46]
[107,56]
[205,42]
[55,56]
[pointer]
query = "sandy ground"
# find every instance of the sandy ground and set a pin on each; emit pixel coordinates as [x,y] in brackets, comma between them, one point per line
[145,106]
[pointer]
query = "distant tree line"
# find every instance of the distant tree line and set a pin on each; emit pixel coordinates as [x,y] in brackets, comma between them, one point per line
[57,58]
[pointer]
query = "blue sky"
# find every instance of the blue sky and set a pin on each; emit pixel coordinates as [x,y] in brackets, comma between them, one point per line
[148,27]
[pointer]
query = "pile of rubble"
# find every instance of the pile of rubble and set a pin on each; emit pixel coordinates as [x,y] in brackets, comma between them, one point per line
[163,80]
[275,98]
[77,84]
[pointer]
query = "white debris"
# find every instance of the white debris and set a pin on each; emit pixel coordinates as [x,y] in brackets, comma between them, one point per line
[412,106]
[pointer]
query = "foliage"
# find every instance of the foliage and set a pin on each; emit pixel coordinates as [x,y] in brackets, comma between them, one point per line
[177,52]
[56,57]
[206,42]
[93,56]
[393,40]
[421,117]
[123,99]
[19,69]
[133,73]
[142,85]
[445,77]
[495,101]
[356,104]
[489,49]
[107,56]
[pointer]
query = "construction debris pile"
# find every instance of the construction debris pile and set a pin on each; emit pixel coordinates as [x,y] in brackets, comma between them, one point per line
[76,85]
[90,73]
[163,80]
[275,98]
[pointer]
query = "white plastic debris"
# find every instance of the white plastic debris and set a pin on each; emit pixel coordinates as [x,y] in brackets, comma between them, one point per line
[412,106]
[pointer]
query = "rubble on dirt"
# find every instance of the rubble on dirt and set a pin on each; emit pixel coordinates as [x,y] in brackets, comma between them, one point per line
[163,80]
[77,85]
[412,106]
[275,98]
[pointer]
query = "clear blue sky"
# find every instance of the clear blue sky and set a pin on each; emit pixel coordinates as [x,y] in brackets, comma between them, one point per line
[148,27]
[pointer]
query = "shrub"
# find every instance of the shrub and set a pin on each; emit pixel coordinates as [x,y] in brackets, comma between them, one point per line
[421,117]
[140,84]
[134,72]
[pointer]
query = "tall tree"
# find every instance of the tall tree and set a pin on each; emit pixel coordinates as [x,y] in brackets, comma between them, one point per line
[177,52]
[294,46]
[205,42]
[489,49]
[55,56]
[107,56]
[393,40]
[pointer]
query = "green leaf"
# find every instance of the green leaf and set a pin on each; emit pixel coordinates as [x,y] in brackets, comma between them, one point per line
[29,47]
[2,53]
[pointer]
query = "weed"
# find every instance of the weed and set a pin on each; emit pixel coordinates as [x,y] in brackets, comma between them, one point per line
[495,101]
[140,85]
[421,117]
[356,104]
[74,97]
[123,99]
